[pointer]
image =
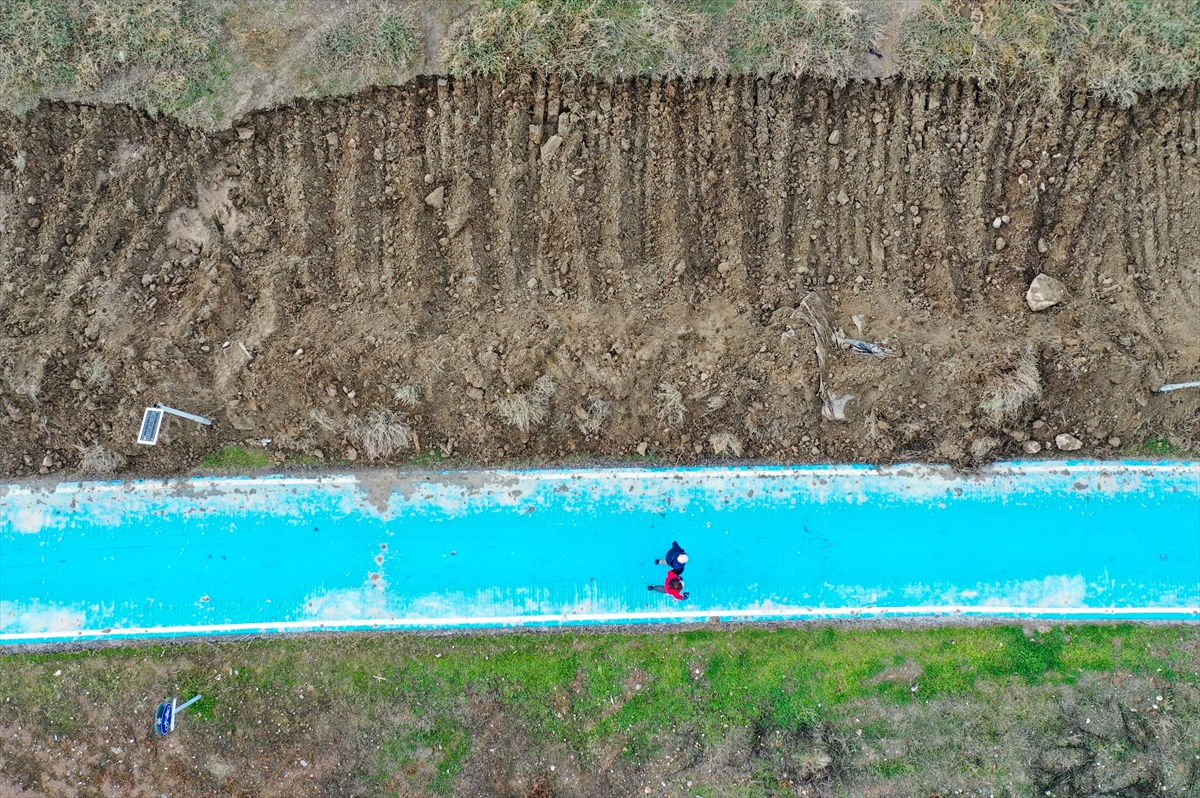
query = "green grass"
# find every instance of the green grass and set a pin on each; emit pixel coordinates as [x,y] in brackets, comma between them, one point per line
[430,458]
[449,743]
[235,458]
[1158,446]
[832,700]
[375,35]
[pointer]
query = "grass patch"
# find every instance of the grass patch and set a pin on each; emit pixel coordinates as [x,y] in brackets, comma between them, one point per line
[1114,48]
[235,458]
[689,39]
[430,458]
[1158,446]
[193,58]
[373,43]
[372,34]
[169,52]
[917,709]
[447,744]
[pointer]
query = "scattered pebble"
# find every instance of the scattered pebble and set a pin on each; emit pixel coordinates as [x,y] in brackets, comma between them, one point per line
[436,198]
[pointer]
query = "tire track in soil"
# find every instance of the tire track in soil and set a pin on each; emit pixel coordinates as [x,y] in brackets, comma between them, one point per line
[667,237]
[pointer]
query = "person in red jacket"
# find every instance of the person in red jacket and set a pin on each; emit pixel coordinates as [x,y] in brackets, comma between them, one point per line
[672,586]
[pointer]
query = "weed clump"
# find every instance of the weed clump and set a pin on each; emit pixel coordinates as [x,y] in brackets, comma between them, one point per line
[382,433]
[597,412]
[322,420]
[100,460]
[25,378]
[235,458]
[96,375]
[725,443]
[522,410]
[669,404]
[408,395]
[372,37]
[1013,384]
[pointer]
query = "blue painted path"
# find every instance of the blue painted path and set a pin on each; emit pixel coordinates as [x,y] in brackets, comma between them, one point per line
[396,550]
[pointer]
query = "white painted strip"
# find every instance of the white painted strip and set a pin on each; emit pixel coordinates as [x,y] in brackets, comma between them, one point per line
[352,480]
[1181,613]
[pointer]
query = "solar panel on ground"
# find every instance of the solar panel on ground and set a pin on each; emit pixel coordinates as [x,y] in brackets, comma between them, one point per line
[151,426]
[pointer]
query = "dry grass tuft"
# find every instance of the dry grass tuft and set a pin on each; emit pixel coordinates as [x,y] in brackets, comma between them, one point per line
[24,378]
[322,420]
[524,409]
[382,433]
[668,403]
[408,395]
[1015,381]
[100,460]
[96,374]
[597,412]
[725,443]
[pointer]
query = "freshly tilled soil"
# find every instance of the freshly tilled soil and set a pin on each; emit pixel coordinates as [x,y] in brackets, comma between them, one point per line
[289,276]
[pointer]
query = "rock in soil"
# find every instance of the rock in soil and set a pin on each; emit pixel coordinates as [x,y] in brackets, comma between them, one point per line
[1044,292]
[1067,442]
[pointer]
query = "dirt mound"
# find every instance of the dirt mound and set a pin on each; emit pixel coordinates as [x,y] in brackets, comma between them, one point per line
[556,268]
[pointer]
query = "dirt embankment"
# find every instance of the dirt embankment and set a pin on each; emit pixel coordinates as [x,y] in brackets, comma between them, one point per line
[613,266]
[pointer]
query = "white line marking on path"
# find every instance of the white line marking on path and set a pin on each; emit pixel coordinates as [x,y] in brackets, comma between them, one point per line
[500,621]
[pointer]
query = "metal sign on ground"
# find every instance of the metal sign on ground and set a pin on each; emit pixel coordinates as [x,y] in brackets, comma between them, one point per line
[164,718]
[152,422]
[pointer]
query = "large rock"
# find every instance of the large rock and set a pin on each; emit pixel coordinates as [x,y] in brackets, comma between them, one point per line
[1067,442]
[1045,292]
